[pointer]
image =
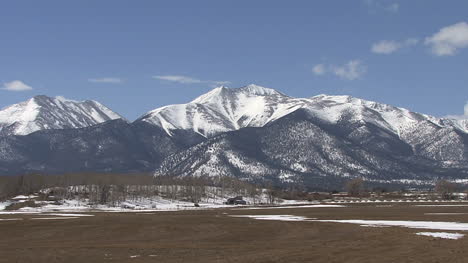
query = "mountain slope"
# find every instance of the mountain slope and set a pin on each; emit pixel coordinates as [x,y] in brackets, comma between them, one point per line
[302,149]
[45,113]
[113,146]
[223,109]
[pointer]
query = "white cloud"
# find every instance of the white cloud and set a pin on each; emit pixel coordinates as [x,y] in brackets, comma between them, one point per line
[460,117]
[352,70]
[319,69]
[385,47]
[381,5]
[449,39]
[178,78]
[189,80]
[16,85]
[411,41]
[106,80]
[217,83]
[390,46]
[394,7]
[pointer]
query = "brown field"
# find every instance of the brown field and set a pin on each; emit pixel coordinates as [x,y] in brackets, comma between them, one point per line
[213,236]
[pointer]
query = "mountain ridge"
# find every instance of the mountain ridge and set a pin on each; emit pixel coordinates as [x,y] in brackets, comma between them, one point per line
[214,104]
[42,113]
[253,133]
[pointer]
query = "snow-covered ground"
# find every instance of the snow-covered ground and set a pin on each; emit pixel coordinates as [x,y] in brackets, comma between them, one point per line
[446,226]
[442,205]
[211,201]
[4,204]
[140,204]
[275,217]
[450,226]
[399,201]
[441,235]
[54,218]
[317,205]
[444,214]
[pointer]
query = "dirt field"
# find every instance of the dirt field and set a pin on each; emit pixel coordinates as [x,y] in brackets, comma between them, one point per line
[214,236]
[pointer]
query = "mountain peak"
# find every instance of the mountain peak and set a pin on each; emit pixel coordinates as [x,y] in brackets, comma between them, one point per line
[41,97]
[210,95]
[221,91]
[335,98]
[258,90]
[45,98]
[43,112]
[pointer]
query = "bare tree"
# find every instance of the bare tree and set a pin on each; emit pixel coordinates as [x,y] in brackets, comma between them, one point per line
[445,189]
[355,187]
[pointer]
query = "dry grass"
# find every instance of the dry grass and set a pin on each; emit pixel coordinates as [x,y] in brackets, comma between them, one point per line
[212,236]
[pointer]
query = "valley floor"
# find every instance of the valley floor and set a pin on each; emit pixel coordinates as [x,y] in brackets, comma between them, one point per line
[400,232]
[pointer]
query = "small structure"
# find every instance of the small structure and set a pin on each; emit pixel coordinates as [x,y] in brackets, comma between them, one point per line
[238,200]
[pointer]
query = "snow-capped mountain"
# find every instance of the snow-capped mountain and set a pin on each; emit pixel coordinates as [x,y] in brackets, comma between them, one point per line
[307,139]
[254,133]
[224,109]
[301,149]
[44,113]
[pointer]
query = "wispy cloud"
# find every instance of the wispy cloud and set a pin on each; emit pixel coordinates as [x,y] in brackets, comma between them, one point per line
[351,70]
[319,69]
[178,79]
[460,117]
[390,46]
[375,6]
[449,39]
[189,80]
[393,7]
[106,80]
[16,85]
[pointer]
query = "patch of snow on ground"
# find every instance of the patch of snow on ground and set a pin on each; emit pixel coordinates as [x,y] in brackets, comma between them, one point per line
[441,205]
[441,235]
[275,217]
[450,226]
[53,218]
[283,207]
[16,212]
[373,226]
[442,214]
[3,205]
[75,215]
[24,197]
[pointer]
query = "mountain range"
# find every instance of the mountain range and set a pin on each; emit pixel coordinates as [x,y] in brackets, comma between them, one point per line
[253,133]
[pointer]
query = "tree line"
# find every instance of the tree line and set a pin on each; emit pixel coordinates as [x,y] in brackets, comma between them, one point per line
[442,188]
[115,189]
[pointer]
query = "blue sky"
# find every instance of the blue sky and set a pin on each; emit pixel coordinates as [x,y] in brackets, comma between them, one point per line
[134,56]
